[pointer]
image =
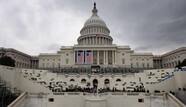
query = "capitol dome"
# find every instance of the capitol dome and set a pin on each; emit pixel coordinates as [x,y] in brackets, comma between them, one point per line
[95,20]
[95,31]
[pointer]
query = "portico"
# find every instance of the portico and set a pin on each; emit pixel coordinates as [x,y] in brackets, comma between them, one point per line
[98,57]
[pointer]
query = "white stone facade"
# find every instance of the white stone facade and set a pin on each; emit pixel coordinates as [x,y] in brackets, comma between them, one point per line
[173,58]
[49,61]
[22,60]
[95,47]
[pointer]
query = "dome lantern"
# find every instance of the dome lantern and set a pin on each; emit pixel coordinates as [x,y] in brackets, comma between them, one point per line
[94,11]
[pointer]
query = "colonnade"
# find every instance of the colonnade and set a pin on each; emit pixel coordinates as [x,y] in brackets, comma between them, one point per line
[109,57]
[95,40]
[101,57]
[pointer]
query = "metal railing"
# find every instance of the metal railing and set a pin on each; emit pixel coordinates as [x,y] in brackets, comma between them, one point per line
[18,101]
[7,94]
[175,100]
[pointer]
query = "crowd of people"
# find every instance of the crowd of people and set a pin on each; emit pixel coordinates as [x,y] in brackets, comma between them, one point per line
[83,86]
[93,89]
[102,70]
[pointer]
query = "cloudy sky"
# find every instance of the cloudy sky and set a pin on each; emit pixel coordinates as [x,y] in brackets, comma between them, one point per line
[41,26]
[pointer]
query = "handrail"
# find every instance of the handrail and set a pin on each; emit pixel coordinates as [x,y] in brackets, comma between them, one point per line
[167,77]
[169,95]
[18,100]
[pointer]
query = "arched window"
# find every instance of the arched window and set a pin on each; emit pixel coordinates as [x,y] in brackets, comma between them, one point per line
[118,80]
[83,81]
[107,81]
[72,80]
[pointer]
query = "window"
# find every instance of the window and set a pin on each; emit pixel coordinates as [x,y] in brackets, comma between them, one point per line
[137,64]
[118,80]
[51,99]
[131,65]
[72,80]
[59,65]
[123,54]
[83,81]
[67,54]
[140,79]
[53,65]
[147,65]
[140,100]
[107,81]
[43,65]
[123,61]
[47,65]
[66,61]
[143,65]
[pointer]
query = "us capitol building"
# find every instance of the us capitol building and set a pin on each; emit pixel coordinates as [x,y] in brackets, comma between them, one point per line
[95,47]
[94,73]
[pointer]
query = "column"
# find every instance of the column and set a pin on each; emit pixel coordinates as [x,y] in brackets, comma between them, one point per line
[91,40]
[75,57]
[98,57]
[112,57]
[99,40]
[83,41]
[106,57]
[115,57]
[103,40]
[86,40]
[96,40]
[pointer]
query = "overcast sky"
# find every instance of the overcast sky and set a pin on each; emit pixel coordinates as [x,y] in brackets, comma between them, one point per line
[41,26]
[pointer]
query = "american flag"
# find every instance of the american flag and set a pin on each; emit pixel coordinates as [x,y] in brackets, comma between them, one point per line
[80,57]
[89,57]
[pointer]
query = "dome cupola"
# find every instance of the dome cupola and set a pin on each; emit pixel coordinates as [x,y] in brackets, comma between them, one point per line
[95,20]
